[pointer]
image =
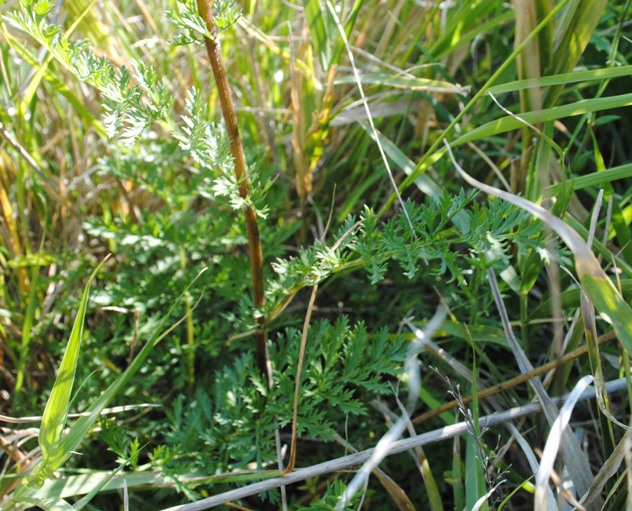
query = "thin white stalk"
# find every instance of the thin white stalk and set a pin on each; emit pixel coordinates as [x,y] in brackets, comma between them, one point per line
[575,458]
[351,460]
[395,431]
[554,440]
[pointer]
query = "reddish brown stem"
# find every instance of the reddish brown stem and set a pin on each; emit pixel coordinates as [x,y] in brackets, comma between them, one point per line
[214,52]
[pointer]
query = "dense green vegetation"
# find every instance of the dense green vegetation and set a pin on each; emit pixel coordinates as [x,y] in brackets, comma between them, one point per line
[440,196]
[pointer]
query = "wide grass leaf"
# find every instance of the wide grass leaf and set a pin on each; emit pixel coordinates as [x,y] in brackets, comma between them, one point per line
[59,447]
[56,411]
[605,73]
[318,30]
[513,122]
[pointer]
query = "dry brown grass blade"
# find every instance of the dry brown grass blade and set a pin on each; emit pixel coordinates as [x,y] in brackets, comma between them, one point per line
[9,227]
[513,382]
[529,65]
[232,505]
[47,183]
[297,84]
[297,382]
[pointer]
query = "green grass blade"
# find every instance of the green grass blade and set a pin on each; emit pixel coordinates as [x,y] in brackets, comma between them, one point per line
[563,79]
[509,123]
[593,179]
[72,486]
[610,304]
[80,429]
[570,300]
[458,477]
[430,484]
[59,86]
[423,182]
[339,45]
[424,163]
[475,479]
[29,93]
[469,20]
[475,487]
[85,500]
[56,411]
[576,27]
[599,248]
[48,504]
[27,328]
[318,31]
[545,37]
[411,83]
[69,443]
[618,221]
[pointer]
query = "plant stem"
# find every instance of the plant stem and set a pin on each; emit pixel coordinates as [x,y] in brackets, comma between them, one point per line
[214,51]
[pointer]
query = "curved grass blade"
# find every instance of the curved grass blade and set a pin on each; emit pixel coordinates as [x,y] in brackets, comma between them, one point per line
[56,411]
[562,79]
[598,287]
[553,442]
[509,123]
[64,446]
